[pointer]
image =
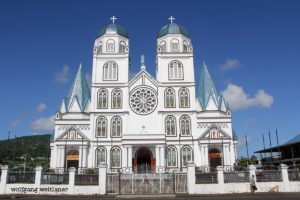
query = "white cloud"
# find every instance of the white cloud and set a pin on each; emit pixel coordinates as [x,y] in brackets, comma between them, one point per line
[238,99]
[43,124]
[63,76]
[41,107]
[16,122]
[230,64]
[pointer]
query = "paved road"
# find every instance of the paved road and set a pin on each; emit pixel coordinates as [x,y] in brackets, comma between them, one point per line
[262,196]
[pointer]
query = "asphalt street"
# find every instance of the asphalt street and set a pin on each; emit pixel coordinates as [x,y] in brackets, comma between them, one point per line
[262,196]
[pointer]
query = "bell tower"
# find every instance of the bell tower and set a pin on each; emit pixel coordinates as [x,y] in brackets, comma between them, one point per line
[174,55]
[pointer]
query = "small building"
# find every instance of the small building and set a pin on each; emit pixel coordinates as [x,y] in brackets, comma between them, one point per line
[287,153]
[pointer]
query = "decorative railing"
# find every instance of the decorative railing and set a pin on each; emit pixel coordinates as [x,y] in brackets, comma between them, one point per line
[236,176]
[20,177]
[53,178]
[86,179]
[294,175]
[204,178]
[268,176]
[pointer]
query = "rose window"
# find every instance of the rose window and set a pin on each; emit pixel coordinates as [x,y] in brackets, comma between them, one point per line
[143,100]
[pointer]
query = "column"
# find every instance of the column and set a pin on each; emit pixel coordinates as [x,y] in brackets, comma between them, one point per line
[130,157]
[162,158]
[102,178]
[4,171]
[191,181]
[72,171]
[252,169]
[157,158]
[285,177]
[220,174]
[38,176]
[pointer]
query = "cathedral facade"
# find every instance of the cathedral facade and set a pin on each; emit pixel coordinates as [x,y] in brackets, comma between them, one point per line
[143,123]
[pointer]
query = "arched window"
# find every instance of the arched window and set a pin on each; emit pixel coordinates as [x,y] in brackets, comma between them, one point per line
[98,48]
[171,156]
[116,157]
[102,98]
[185,46]
[170,126]
[116,96]
[110,71]
[163,46]
[175,70]
[184,98]
[116,126]
[110,46]
[169,98]
[174,45]
[185,125]
[122,47]
[186,155]
[101,127]
[100,156]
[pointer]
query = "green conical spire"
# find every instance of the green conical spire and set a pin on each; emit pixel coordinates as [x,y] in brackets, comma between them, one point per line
[79,91]
[206,88]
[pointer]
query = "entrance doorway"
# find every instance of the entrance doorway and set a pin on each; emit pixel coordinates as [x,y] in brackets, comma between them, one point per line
[214,158]
[143,161]
[72,159]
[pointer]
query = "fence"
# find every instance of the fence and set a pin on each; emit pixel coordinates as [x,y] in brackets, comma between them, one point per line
[268,176]
[113,183]
[20,177]
[53,178]
[294,175]
[236,176]
[86,179]
[207,178]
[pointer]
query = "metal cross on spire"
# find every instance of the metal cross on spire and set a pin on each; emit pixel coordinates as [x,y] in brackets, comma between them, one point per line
[113,18]
[172,19]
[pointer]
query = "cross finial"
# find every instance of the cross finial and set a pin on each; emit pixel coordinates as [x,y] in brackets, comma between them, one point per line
[113,18]
[143,62]
[172,19]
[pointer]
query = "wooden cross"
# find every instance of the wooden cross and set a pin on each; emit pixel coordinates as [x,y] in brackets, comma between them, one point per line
[113,18]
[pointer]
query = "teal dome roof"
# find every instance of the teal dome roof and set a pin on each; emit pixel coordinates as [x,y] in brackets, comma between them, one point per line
[113,29]
[173,28]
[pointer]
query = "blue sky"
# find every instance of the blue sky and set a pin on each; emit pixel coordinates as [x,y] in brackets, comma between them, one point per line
[251,49]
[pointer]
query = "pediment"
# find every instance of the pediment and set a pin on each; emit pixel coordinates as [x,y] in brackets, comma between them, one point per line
[214,132]
[72,134]
[143,78]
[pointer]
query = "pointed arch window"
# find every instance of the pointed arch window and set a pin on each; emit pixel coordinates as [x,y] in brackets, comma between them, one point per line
[184,98]
[169,98]
[170,125]
[116,157]
[171,156]
[102,98]
[116,126]
[110,71]
[186,155]
[185,125]
[110,46]
[101,127]
[174,45]
[175,70]
[100,156]
[163,46]
[116,96]
[122,47]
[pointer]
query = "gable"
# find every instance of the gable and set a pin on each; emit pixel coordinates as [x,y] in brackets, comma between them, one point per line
[213,132]
[72,134]
[143,78]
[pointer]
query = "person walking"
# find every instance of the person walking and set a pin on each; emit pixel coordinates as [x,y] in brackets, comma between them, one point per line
[252,184]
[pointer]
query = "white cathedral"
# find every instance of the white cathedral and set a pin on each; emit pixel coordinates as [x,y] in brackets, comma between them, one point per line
[143,124]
